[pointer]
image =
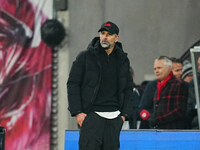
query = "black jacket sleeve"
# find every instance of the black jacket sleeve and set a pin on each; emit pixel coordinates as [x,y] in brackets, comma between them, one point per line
[147,97]
[74,84]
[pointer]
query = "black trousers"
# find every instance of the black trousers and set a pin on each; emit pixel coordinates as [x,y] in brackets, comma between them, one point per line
[99,133]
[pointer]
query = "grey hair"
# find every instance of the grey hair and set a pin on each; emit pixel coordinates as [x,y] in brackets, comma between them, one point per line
[167,60]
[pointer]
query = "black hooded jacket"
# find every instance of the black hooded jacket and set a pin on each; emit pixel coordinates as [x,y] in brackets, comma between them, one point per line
[85,77]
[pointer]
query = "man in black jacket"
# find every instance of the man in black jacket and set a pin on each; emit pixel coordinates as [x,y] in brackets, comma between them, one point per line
[99,90]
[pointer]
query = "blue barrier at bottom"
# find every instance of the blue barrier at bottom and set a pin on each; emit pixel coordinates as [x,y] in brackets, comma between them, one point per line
[146,140]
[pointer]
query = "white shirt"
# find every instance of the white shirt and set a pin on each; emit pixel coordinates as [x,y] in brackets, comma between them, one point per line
[109,115]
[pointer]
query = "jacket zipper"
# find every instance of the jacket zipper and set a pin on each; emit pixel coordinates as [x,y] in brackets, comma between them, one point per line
[97,87]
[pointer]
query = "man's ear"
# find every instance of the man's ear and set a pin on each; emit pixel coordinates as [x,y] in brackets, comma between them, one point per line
[170,68]
[117,38]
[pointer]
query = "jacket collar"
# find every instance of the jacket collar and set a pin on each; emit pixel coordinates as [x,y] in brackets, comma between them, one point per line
[95,48]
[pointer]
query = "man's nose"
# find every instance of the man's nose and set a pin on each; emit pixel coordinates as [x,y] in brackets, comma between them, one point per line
[106,35]
[104,38]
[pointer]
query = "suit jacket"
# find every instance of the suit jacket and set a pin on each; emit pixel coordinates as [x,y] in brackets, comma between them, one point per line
[170,107]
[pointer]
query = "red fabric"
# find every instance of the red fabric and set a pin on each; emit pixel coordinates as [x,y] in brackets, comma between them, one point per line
[171,107]
[107,24]
[161,85]
[25,76]
[144,114]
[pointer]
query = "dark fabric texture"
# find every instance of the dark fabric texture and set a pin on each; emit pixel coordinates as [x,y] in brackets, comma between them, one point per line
[98,133]
[106,100]
[147,97]
[152,122]
[170,108]
[192,106]
[85,78]
[147,101]
[134,117]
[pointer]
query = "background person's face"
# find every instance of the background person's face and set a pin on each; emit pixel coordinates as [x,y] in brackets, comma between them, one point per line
[161,70]
[177,70]
[198,64]
[189,77]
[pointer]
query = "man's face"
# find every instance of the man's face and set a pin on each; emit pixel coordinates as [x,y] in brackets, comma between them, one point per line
[189,77]
[108,40]
[198,64]
[177,70]
[161,70]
